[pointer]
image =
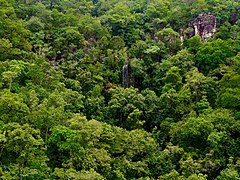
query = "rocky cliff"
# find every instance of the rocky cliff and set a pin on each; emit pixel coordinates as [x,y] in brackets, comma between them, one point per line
[205,26]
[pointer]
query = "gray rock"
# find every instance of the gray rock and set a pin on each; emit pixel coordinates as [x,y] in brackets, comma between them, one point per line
[205,26]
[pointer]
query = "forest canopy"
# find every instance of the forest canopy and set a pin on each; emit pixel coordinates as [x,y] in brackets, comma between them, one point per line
[120,89]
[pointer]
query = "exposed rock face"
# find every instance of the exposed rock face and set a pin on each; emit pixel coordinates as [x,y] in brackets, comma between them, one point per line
[205,26]
[127,75]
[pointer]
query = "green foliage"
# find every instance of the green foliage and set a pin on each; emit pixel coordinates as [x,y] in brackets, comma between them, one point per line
[118,89]
[201,85]
[228,97]
[12,107]
[229,173]
[91,145]
[22,153]
[125,108]
[212,54]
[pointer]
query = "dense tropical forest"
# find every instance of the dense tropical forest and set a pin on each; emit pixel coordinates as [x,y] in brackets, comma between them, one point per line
[119,89]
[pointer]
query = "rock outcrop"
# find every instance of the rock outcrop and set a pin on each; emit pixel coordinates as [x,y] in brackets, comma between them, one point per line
[205,26]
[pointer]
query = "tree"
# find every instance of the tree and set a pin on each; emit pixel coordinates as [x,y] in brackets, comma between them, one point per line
[212,54]
[23,153]
[125,108]
[12,108]
[170,38]
[228,95]
[201,85]
[95,146]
